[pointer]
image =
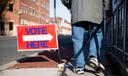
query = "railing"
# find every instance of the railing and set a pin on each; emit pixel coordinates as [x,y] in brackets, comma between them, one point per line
[118,31]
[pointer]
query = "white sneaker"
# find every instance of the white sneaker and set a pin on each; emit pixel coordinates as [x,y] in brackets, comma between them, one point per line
[79,70]
[101,67]
[93,62]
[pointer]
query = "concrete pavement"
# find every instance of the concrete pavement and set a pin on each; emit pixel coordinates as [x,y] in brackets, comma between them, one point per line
[31,72]
[47,72]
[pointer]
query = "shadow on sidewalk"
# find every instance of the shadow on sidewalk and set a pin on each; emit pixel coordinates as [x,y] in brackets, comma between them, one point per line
[32,59]
[65,53]
[46,59]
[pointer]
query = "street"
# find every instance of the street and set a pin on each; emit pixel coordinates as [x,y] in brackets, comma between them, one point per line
[8,50]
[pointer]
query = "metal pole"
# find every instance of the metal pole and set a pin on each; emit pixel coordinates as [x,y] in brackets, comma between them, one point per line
[55,11]
[59,55]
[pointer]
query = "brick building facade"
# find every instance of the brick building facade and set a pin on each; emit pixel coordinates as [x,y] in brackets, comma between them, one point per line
[23,12]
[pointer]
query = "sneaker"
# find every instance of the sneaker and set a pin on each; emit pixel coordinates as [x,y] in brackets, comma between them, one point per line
[93,62]
[101,67]
[79,70]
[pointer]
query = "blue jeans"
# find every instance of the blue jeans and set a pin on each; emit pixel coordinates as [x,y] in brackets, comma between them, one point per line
[78,36]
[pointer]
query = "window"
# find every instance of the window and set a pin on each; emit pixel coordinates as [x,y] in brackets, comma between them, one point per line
[115,19]
[21,8]
[46,6]
[24,22]
[41,16]
[24,9]
[10,6]
[2,25]
[30,11]
[43,4]
[10,25]
[121,14]
[127,35]
[33,12]
[38,15]
[127,14]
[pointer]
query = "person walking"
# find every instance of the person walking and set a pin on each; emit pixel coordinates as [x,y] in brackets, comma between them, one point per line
[86,15]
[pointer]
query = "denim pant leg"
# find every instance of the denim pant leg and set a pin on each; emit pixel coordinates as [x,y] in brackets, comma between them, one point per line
[78,38]
[92,46]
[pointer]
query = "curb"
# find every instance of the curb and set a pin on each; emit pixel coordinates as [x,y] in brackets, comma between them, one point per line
[8,37]
[6,66]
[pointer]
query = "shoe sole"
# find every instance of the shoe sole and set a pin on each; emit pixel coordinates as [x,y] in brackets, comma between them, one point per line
[98,69]
[78,72]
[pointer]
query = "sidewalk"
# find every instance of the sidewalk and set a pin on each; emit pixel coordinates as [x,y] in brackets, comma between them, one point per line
[46,72]
[30,72]
[45,64]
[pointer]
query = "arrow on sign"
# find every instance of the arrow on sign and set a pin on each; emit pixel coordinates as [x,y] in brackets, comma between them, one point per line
[45,37]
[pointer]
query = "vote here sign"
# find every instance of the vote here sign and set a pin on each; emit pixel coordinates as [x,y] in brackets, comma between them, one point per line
[37,37]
